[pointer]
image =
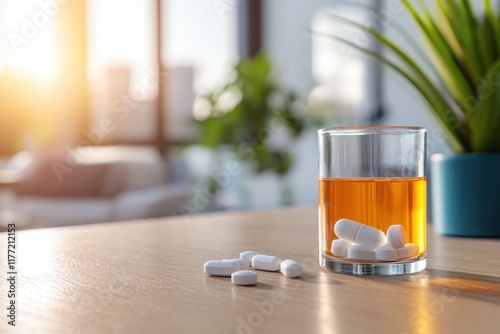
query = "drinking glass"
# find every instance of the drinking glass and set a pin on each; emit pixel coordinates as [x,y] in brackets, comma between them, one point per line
[374,176]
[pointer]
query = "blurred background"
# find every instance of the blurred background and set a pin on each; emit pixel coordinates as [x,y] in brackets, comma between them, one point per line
[125,109]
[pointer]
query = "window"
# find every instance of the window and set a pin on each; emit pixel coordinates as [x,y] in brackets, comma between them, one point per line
[199,46]
[29,68]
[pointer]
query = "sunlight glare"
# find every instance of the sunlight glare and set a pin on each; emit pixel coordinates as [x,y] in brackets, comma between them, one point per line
[36,56]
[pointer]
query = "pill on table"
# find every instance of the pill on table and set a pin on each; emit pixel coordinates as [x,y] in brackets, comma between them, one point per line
[359,234]
[221,267]
[396,236]
[266,262]
[244,277]
[248,255]
[339,247]
[244,264]
[360,252]
[409,250]
[290,268]
[386,253]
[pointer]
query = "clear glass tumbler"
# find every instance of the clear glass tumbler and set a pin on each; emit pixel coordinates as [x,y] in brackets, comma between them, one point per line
[374,176]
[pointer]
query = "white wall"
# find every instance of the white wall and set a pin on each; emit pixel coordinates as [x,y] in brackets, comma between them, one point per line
[287,39]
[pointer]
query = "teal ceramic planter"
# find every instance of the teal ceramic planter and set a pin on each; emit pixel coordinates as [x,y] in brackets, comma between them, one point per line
[466,194]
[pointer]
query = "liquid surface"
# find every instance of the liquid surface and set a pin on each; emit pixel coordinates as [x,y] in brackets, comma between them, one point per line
[375,202]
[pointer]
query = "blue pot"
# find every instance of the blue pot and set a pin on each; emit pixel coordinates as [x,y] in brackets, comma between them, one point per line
[466,194]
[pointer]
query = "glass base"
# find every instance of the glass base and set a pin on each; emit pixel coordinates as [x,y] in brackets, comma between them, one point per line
[341,266]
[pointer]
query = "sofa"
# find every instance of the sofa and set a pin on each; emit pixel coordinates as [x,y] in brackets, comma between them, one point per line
[87,185]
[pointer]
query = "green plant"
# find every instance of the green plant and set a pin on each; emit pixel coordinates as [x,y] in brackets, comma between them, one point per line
[245,113]
[465,50]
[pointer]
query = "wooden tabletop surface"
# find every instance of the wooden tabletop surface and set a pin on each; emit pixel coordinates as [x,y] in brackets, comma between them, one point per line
[147,277]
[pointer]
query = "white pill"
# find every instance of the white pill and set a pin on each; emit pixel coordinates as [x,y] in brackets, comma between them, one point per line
[244,277]
[221,267]
[244,264]
[266,262]
[396,236]
[359,234]
[386,253]
[409,250]
[339,247]
[360,252]
[248,255]
[290,268]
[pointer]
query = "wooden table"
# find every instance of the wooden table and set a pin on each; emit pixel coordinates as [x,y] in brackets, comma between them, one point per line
[147,277]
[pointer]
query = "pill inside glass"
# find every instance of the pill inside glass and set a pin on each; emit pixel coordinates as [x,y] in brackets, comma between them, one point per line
[372,200]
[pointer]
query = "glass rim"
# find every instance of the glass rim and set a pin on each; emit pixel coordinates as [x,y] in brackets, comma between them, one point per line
[368,130]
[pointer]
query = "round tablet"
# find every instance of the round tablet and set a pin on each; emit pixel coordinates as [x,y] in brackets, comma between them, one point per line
[409,250]
[396,236]
[386,253]
[359,252]
[244,277]
[339,247]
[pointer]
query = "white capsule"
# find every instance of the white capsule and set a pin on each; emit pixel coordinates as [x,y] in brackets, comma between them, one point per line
[386,253]
[339,247]
[221,267]
[244,264]
[248,255]
[244,277]
[290,268]
[359,234]
[409,250]
[266,262]
[360,252]
[396,236]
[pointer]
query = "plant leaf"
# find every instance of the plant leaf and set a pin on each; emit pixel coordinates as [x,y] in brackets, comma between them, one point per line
[478,40]
[484,121]
[459,42]
[453,77]
[443,110]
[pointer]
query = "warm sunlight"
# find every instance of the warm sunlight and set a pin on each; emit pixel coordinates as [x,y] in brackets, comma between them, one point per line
[39,62]
[28,44]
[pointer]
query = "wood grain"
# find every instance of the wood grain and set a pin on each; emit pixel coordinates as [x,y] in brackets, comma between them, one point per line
[147,277]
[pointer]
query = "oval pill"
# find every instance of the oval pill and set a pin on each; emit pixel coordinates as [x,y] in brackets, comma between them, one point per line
[339,247]
[360,252]
[290,268]
[358,233]
[244,277]
[221,267]
[248,255]
[386,253]
[409,250]
[266,262]
[396,236]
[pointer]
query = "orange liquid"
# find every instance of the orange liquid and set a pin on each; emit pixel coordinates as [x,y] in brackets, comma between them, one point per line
[375,202]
